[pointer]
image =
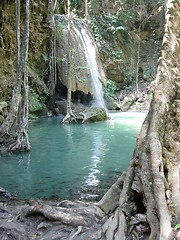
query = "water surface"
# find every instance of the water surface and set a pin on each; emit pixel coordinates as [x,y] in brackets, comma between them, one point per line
[72,161]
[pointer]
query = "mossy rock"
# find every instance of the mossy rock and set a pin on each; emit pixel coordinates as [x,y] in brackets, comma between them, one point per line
[89,114]
[97,114]
[93,114]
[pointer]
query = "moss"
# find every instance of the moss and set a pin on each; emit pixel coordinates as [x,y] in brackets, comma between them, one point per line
[35,105]
[60,30]
[39,43]
[99,115]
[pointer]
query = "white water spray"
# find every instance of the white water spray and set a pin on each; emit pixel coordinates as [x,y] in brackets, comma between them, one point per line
[91,56]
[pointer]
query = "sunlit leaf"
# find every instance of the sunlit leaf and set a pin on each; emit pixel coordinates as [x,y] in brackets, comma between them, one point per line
[177,226]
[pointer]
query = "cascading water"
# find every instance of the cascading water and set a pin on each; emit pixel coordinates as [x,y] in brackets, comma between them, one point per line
[86,58]
[90,53]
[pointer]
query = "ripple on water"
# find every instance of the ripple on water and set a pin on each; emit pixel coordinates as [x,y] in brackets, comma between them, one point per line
[72,161]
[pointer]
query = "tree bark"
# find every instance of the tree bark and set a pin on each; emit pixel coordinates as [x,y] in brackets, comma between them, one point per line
[22,142]
[19,105]
[86,9]
[53,66]
[152,182]
[146,198]
[69,114]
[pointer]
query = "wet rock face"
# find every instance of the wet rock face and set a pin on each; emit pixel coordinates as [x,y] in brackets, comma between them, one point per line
[107,6]
[40,34]
[115,72]
[117,69]
[78,56]
[122,69]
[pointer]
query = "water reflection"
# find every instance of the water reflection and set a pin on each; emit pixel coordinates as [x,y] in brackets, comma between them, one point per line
[96,158]
[71,160]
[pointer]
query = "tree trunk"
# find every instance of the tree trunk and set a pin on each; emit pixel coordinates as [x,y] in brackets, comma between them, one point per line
[86,9]
[22,142]
[152,183]
[53,67]
[19,105]
[144,202]
[138,56]
[69,114]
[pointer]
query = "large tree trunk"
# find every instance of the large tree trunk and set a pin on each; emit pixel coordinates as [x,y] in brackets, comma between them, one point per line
[22,142]
[152,183]
[144,203]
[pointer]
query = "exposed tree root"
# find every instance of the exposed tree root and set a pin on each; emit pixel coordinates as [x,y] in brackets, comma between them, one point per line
[55,214]
[144,203]
[88,115]
[69,118]
[48,221]
[22,142]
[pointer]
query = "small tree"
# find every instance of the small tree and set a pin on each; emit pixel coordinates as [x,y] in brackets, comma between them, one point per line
[52,63]
[86,9]
[69,114]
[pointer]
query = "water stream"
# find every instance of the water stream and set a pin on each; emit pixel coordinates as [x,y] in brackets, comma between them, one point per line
[91,57]
[89,73]
[71,161]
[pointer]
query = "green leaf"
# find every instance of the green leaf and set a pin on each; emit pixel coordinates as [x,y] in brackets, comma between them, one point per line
[177,226]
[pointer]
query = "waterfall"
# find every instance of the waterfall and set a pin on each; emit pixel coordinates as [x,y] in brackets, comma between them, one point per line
[91,56]
[86,56]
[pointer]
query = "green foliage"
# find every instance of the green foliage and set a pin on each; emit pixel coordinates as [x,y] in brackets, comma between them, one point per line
[60,7]
[177,226]
[104,26]
[115,54]
[81,67]
[64,59]
[82,80]
[35,104]
[97,28]
[48,58]
[75,5]
[60,30]
[110,89]
[116,23]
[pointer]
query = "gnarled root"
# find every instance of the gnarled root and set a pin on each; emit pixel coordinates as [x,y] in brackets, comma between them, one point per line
[69,118]
[22,143]
[54,214]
